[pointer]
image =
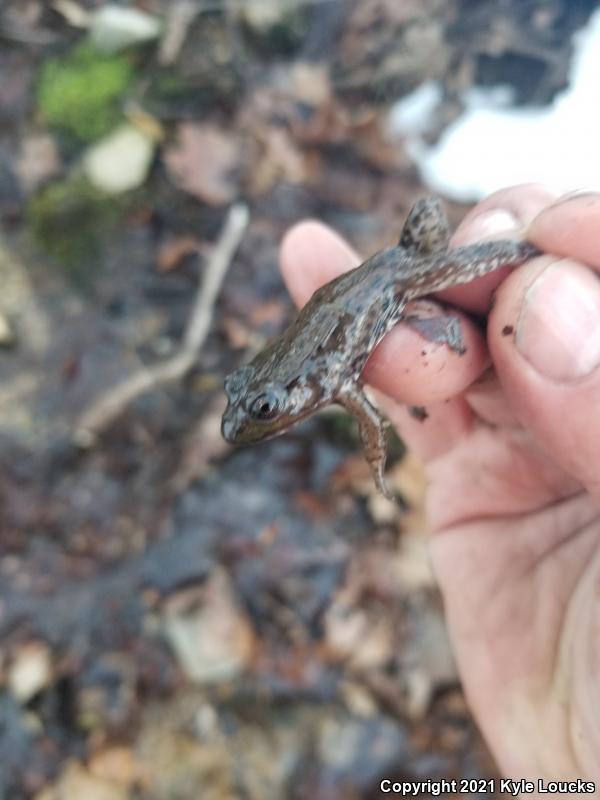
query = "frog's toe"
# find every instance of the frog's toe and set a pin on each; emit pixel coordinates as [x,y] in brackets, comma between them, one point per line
[380,481]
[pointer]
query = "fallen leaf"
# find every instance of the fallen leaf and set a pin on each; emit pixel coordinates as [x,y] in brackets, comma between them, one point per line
[312,505]
[38,160]
[362,638]
[311,83]
[411,565]
[210,635]
[353,473]
[117,764]
[76,783]
[172,252]
[269,312]
[238,335]
[277,160]
[204,162]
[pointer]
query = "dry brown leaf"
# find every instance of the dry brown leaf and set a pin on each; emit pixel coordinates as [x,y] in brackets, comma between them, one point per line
[311,83]
[173,251]
[312,505]
[364,639]
[238,335]
[116,764]
[204,162]
[38,160]
[76,783]
[278,160]
[352,473]
[411,565]
[378,148]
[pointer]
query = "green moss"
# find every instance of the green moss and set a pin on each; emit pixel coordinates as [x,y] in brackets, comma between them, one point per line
[80,92]
[70,220]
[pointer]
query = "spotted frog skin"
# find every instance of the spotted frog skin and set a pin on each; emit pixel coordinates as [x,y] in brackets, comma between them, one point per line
[320,358]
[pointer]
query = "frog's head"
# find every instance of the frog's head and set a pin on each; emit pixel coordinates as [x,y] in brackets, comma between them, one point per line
[257,409]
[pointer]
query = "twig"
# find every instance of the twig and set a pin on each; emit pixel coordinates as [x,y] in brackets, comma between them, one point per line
[74,14]
[109,405]
[180,16]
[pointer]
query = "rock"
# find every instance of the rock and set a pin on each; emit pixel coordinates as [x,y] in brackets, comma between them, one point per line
[30,671]
[120,161]
[113,28]
[262,15]
[212,639]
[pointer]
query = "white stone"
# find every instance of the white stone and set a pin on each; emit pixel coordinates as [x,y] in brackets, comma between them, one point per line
[30,671]
[120,161]
[113,28]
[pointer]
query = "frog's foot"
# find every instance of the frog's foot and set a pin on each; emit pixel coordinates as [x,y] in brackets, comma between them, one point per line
[444,329]
[371,427]
[426,228]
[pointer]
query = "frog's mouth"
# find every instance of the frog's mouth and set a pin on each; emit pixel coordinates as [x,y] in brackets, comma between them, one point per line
[238,429]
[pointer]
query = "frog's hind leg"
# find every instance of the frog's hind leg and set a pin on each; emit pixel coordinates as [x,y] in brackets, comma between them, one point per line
[426,228]
[371,429]
[442,329]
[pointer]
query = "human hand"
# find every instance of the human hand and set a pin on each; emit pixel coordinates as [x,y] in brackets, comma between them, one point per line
[513,459]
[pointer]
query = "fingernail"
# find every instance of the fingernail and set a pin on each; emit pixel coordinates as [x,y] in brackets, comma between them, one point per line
[576,194]
[490,224]
[558,330]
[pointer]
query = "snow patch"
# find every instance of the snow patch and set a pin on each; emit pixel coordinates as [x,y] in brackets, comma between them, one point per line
[491,145]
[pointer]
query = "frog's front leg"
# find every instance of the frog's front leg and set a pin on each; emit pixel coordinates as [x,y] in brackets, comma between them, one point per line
[371,429]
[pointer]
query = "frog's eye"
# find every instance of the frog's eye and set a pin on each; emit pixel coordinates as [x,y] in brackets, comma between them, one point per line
[265,406]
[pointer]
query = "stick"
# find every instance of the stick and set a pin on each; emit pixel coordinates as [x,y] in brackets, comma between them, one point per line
[180,16]
[109,405]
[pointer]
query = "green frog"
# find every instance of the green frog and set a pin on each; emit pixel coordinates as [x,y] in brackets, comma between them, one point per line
[319,359]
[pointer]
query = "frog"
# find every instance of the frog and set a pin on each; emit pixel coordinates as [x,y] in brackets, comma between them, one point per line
[319,358]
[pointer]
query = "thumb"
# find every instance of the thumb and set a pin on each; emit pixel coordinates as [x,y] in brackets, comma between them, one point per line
[544,338]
